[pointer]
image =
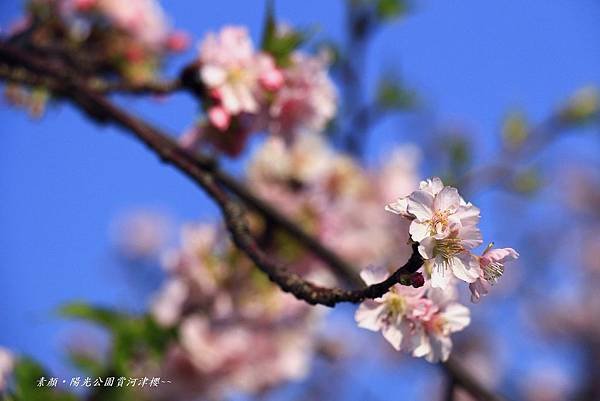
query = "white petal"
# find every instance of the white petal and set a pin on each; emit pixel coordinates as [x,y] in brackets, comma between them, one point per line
[418,231]
[440,349]
[368,315]
[419,343]
[447,199]
[478,289]
[420,204]
[470,236]
[212,75]
[374,274]
[399,206]
[465,267]
[440,274]
[457,317]
[229,99]
[434,186]
[426,247]
[468,214]
[393,335]
[501,255]
[246,99]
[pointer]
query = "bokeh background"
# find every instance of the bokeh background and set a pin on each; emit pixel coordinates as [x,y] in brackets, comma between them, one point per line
[65,182]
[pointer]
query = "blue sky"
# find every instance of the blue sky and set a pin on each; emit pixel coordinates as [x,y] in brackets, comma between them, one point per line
[63,179]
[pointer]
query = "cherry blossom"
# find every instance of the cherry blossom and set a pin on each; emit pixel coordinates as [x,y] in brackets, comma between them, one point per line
[388,314]
[143,19]
[233,324]
[491,264]
[418,321]
[307,99]
[439,317]
[445,226]
[235,73]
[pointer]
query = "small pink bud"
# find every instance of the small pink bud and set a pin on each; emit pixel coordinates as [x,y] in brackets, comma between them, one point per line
[272,80]
[178,41]
[215,94]
[219,118]
[417,280]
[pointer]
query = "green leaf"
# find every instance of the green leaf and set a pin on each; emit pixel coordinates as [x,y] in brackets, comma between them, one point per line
[103,316]
[515,129]
[86,363]
[392,95]
[27,372]
[279,44]
[391,9]
[133,336]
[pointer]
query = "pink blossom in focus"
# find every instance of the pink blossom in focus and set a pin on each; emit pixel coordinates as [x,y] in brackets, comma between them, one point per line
[491,265]
[445,226]
[419,321]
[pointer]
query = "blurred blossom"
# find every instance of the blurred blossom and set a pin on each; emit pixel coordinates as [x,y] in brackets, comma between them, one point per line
[547,384]
[248,92]
[313,184]
[7,362]
[121,39]
[232,70]
[234,325]
[141,235]
[307,99]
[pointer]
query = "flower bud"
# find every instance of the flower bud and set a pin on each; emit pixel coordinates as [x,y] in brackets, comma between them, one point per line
[417,280]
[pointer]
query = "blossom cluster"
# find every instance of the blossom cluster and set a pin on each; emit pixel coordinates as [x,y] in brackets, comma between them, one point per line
[248,91]
[445,228]
[335,199]
[416,320]
[127,38]
[233,324]
[112,39]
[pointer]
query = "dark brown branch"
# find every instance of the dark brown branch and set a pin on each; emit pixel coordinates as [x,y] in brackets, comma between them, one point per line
[152,88]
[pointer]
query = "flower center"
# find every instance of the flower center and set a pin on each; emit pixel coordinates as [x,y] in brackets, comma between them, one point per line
[448,247]
[493,271]
[396,305]
[237,75]
[439,221]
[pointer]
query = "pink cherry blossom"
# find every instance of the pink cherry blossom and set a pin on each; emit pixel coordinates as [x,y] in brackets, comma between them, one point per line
[143,19]
[235,72]
[419,321]
[306,101]
[491,264]
[387,314]
[445,226]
